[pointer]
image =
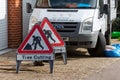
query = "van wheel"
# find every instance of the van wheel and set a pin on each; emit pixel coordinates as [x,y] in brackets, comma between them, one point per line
[98,51]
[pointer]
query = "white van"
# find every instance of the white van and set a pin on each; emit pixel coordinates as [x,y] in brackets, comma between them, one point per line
[81,23]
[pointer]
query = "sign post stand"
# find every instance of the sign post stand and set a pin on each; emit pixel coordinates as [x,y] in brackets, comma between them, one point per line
[17,65]
[64,57]
[54,38]
[35,47]
[61,49]
[51,62]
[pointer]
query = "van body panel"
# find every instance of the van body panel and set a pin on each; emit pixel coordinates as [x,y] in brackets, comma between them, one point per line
[77,27]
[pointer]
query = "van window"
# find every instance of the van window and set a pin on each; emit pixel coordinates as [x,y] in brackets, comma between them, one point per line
[42,3]
[66,3]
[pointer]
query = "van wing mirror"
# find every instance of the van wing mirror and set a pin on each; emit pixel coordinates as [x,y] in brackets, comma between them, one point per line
[106,8]
[29,7]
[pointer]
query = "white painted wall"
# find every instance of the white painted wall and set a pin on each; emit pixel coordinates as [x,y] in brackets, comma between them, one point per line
[3,25]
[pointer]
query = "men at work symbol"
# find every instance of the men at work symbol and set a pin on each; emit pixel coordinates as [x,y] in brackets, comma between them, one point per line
[48,34]
[36,42]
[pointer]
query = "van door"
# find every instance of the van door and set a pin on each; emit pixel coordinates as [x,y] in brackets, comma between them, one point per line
[102,17]
[26,15]
[113,9]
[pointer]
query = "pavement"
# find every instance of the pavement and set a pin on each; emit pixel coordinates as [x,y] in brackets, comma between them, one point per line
[112,72]
[5,50]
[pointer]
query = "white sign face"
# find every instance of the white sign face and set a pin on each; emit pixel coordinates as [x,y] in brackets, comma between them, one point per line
[50,34]
[36,42]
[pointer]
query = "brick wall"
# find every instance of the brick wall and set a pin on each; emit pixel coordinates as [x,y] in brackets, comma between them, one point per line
[14,23]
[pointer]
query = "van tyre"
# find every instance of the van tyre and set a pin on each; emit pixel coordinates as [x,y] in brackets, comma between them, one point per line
[98,51]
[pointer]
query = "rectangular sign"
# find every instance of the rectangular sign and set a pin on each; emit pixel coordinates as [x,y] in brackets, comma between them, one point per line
[59,49]
[35,57]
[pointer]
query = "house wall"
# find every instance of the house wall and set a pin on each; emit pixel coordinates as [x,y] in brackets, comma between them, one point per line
[14,23]
[3,25]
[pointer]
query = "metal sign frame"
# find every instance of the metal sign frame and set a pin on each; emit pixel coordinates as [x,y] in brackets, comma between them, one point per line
[58,47]
[23,54]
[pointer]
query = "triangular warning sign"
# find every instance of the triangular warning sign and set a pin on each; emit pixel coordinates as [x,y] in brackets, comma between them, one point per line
[51,33]
[35,43]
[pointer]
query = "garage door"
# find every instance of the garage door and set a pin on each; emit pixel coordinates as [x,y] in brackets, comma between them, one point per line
[3,25]
[26,16]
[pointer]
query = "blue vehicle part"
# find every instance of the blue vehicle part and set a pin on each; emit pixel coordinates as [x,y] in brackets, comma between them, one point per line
[117,46]
[83,5]
[114,52]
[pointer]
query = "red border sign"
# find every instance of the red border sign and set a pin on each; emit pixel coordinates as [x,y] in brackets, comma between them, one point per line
[61,42]
[21,48]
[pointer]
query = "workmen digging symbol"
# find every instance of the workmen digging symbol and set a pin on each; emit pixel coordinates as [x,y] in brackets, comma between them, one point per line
[48,34]
[36,42]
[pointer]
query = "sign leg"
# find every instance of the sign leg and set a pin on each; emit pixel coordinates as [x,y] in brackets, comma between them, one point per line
[17,66]
[51,62]
[64,57]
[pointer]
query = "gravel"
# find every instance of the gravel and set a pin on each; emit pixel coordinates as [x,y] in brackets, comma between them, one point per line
[79,66]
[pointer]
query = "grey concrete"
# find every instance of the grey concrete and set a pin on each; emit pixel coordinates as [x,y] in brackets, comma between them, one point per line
[112,72]
[5,51]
